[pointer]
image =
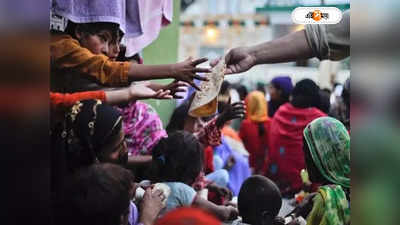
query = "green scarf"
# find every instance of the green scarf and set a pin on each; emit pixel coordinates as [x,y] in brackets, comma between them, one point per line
[330,207]
[329,144]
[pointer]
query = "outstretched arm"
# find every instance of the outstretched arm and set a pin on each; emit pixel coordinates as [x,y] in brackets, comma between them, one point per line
[288,48]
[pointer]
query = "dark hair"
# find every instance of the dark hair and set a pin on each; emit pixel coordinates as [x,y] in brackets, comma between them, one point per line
[325,101]
[83,147]
[225,86]
[178,158]
[346,93]
[122,58]
[242,90]
[261,129]
[313,172]
[177,121]
[260,87]
[94,28]
[306,94]
[259,196]
[99,194]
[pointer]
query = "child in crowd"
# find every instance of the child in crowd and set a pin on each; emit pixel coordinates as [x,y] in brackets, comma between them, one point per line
[208,131]
[177,162]
[82,51]
[259,201]
[91,132]
[100,194]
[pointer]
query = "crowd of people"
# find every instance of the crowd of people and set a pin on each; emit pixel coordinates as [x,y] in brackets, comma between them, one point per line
[113,163]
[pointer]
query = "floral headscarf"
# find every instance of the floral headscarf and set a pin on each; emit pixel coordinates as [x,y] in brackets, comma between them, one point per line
[256,106]
[142,126]
[329,144]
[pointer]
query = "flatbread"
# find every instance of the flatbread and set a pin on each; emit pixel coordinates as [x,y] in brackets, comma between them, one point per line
[205,102]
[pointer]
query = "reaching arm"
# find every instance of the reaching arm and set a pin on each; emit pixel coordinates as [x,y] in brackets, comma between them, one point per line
[288,48]
[183,71]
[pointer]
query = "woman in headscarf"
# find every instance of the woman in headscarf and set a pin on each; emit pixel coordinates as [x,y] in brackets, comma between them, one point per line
[279,91]
[327,154]
[91,132]
[254,129]
[285,158]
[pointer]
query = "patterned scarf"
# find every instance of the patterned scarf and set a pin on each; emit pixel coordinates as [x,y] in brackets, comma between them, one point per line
[330,207]
[329,144]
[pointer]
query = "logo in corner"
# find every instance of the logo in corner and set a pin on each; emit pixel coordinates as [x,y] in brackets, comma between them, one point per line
[316,15]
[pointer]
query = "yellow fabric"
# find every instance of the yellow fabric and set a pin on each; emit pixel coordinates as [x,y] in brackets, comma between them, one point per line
[316,216]
[67,53]
[330,207]
[256,107]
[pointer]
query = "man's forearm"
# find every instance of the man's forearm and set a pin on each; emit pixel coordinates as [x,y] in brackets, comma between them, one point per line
[291,47]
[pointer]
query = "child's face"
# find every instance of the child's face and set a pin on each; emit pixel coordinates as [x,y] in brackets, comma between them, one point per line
[96,43]
[117,151]
[193,125]
[113,51]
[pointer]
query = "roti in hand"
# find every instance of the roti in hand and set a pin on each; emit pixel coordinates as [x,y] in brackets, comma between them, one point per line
[205,102]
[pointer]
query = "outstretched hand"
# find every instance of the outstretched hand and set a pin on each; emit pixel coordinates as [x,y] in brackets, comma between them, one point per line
[237,60]
[231,111]
[143,91]
[176,87]
[186,71]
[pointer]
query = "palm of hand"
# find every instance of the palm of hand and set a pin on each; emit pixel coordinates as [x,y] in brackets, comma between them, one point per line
[143,91]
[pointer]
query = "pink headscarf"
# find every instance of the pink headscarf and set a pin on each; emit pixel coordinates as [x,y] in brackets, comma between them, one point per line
[142,126]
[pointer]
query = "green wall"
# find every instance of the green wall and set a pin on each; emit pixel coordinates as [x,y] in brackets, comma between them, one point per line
[164,50]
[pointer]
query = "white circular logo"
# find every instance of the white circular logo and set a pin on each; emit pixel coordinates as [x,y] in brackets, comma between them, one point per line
[316,15]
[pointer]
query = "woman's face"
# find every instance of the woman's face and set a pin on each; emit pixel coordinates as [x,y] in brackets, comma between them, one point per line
[274,93]
[117,150]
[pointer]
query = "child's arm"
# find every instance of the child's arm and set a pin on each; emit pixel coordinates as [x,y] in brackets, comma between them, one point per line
[183,71]
[135,92]
[224,213]
[211,134]
[61,100]
[67,53]
[132,93]
[174,87]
